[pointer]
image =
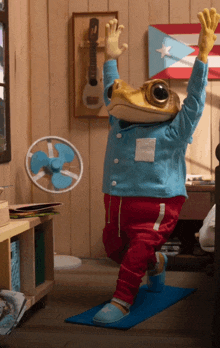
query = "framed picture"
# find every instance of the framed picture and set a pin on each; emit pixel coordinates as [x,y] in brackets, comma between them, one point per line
[5,140]
[88,59]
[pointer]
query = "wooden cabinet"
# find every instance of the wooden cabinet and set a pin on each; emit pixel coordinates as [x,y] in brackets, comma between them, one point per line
[201,200]
[196,207]
[25,231]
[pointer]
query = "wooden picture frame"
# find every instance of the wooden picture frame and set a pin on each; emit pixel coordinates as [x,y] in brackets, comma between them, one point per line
[81,62]
[5,133]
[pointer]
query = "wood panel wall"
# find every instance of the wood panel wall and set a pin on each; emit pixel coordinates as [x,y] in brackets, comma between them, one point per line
[41,63]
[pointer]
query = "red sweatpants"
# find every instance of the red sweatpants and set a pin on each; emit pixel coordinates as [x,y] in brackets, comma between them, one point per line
[136,227]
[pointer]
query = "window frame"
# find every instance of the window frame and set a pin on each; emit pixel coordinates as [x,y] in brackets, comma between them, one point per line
[5,156]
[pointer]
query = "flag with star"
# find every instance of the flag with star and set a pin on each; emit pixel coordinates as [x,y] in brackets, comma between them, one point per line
[173,49]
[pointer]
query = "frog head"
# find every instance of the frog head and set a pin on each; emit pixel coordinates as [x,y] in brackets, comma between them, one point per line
[153,102]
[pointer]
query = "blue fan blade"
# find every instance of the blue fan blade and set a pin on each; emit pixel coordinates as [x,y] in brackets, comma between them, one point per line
[39,160]
[66,154]
[60,181]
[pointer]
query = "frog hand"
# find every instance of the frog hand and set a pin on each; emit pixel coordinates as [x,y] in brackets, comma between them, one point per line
[112,34]
[209,22]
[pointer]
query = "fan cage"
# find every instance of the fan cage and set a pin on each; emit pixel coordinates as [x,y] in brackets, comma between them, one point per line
[45,147]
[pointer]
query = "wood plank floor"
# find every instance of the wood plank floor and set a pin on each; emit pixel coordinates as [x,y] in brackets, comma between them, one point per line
[185,324]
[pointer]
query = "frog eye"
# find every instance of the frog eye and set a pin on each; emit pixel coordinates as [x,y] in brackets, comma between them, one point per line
[159,93]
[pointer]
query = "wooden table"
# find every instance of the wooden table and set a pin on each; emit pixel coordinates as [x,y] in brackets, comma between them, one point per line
[24,229]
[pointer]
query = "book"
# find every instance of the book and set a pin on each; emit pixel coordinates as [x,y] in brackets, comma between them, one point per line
[12,309]
[33,209]
[4,213]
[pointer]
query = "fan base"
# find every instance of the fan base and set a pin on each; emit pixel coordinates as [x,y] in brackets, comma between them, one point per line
[65,262]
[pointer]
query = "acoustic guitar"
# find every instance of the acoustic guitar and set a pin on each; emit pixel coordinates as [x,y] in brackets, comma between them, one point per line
[93,91]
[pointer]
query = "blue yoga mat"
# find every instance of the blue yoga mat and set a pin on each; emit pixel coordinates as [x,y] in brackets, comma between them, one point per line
[145,306]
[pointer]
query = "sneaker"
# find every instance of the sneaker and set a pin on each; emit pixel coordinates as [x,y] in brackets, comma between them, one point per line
[155,280]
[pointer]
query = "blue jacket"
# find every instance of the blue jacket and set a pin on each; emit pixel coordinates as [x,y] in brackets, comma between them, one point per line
[161,171]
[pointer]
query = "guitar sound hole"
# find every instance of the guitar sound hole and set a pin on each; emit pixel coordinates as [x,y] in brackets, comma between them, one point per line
[93,82]
[92,100]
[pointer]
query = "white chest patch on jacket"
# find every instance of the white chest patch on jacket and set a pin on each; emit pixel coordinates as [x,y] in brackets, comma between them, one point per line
[145,149]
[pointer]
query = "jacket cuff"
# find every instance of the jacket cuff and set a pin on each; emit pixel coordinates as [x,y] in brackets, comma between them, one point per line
[198,77]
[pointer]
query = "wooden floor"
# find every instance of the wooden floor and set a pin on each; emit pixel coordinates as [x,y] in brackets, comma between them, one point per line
[186,324]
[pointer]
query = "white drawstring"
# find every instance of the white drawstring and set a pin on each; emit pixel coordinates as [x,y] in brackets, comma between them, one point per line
[119,217]
[109,210]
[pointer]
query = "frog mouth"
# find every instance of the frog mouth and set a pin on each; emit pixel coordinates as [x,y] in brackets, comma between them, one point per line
[126,111]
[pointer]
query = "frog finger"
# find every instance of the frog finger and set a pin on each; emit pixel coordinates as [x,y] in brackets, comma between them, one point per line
[107,30]
[213,18]
[114,25]
[120,29]
[124,47]
[111,26]
[217,17]
[207,17]
[202,21]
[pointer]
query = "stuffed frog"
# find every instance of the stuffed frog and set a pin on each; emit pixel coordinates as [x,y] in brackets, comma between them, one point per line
[144,169]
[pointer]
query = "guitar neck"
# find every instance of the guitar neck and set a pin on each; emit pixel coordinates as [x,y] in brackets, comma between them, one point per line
[93,61]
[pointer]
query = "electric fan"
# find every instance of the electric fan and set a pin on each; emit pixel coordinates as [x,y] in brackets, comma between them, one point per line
[51,169]
[42,165]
